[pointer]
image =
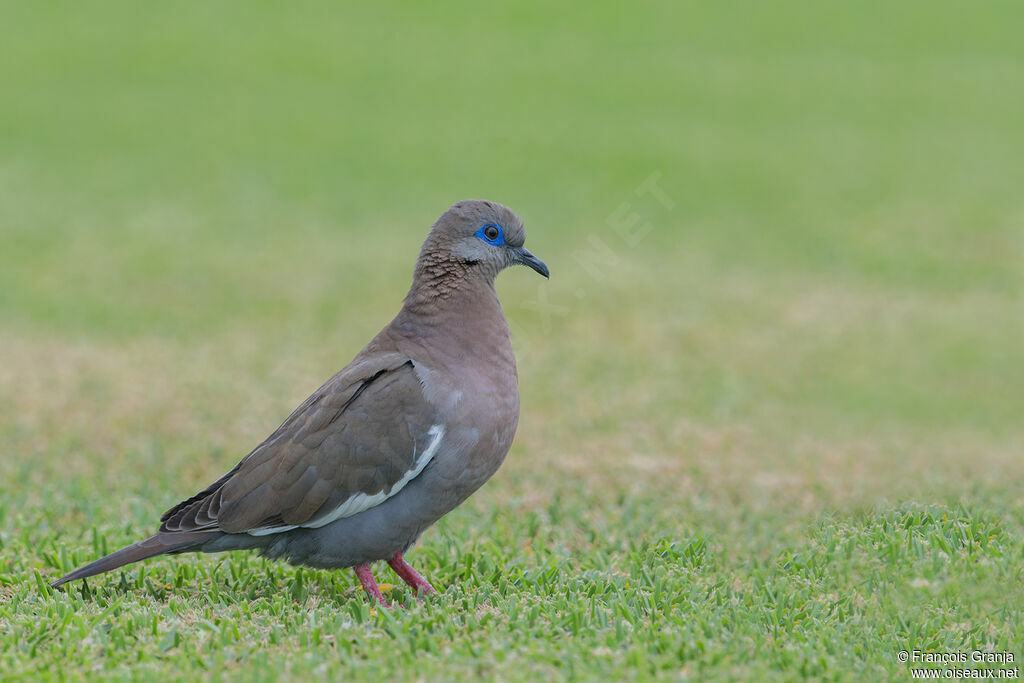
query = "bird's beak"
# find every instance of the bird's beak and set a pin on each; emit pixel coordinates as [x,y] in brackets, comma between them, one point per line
[524,257]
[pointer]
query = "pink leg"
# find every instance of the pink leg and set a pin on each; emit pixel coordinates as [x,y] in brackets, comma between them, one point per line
[410,575]
[369,584]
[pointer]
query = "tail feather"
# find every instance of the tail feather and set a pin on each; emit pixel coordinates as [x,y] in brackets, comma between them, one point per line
[160,544]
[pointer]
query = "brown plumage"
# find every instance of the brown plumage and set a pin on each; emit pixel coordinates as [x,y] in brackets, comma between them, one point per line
[420,419]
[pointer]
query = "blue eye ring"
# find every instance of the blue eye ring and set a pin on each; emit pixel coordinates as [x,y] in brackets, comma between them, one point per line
[488,235]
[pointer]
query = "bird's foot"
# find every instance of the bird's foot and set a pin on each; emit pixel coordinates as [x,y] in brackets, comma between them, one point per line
[370,584]
[412,577]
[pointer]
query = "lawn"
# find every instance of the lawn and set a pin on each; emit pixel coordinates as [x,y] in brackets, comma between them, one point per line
[772,396]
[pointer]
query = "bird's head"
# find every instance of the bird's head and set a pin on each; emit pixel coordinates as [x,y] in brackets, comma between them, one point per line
[480,236]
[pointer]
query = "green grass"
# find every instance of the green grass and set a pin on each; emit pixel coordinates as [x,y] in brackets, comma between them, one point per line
[774,432]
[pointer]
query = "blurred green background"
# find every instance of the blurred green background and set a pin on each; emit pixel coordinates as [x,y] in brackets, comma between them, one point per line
[206,209]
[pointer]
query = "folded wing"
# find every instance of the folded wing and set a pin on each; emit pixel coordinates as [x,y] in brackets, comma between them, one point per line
[353,444]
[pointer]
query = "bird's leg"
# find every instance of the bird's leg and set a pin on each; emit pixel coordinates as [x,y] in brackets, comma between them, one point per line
[369,584]
[410,575]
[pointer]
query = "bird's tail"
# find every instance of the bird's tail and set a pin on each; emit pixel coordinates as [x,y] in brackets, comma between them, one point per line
[160,544]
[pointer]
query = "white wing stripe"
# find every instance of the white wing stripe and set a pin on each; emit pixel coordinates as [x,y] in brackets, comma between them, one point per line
[266,531]
[361,501]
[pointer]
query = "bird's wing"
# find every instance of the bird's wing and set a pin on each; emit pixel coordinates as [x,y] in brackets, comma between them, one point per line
[354,443]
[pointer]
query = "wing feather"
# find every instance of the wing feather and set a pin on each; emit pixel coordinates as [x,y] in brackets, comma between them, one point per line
[350,445]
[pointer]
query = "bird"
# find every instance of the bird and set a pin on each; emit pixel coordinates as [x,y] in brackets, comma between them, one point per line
[402,435]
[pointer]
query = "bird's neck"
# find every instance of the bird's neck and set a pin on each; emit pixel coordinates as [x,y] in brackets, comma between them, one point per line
[439,276]
[456,307]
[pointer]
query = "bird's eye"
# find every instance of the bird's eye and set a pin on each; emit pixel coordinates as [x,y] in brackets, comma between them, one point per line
[492,234]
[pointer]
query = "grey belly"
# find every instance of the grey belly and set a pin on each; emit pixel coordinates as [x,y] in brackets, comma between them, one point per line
[374,534]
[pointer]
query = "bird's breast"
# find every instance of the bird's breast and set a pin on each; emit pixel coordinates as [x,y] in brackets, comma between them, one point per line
[479,401]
